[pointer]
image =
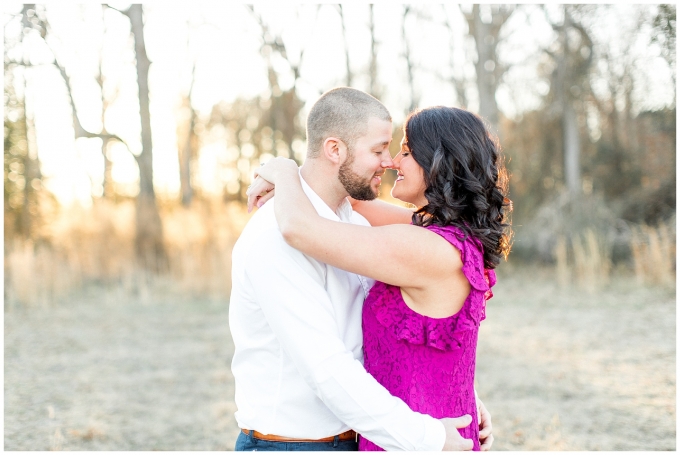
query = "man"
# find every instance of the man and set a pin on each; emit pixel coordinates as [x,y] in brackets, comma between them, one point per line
[296,322]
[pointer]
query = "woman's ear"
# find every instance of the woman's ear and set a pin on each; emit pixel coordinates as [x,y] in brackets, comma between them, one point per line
[334,150]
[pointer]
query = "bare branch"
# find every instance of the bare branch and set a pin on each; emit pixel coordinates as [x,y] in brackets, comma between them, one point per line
[125,13]
[77,126]
[79,130]
[275,42]
[302,51]
[9,61]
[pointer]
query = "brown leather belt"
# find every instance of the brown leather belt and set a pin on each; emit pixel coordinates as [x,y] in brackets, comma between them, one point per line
[346,436]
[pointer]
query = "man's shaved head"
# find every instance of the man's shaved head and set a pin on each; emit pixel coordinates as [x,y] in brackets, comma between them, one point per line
[342,112]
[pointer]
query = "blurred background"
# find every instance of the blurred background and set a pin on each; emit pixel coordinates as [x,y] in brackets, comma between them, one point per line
[131,133]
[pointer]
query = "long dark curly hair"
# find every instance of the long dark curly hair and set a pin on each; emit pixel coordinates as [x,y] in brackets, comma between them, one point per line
[465,177]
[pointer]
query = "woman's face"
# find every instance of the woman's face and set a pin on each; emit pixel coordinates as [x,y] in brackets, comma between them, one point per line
[410,184]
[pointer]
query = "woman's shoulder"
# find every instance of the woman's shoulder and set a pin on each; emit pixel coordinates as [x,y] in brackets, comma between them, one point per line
[471,254]
[455,234]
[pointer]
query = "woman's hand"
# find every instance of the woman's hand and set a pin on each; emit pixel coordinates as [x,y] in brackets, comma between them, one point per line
[275,167]
[262,188]
[259,192]
[485,428]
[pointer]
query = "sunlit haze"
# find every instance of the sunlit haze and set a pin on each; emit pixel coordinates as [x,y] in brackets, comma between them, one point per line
[224,41]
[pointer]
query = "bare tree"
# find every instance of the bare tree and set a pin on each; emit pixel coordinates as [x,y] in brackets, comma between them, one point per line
[108,187]
[489,70]
[457,81]
[348,78]
[615,105]
[664,24]
[34,18]
[149,247]
[285,105]
[107,101]
[571,71]
[375,88]
[571,141]
[415,98]
[188,147]
[21,162]
[188,138]
[263,126]
[39,22]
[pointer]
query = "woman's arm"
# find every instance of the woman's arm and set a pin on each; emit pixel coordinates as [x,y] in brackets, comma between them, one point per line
[402,255]
[378,213]
[381,213]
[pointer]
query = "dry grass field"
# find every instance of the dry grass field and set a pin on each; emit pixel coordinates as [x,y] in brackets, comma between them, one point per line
[571,370]
[558,369]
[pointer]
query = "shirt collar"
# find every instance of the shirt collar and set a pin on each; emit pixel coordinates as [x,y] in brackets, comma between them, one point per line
[343,213]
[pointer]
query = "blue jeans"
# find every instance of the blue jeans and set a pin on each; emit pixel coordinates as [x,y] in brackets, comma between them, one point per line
[248,442]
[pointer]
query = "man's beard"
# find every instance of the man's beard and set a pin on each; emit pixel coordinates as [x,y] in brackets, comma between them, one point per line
[356,186]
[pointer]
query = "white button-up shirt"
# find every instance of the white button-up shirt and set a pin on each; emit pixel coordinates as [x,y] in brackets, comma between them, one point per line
[298,359]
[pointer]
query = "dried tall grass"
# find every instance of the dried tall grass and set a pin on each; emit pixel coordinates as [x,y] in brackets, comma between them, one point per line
[587,264]
[95,247]
[653,250]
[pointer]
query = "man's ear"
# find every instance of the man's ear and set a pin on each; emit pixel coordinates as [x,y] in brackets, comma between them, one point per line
[334,150]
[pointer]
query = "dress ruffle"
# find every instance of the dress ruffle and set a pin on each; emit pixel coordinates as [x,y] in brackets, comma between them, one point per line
[470,253]
[445,333]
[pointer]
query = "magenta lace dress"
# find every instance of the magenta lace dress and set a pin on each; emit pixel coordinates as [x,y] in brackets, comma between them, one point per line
[429,363]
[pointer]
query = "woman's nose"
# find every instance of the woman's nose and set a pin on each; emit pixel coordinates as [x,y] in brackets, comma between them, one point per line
[395,161]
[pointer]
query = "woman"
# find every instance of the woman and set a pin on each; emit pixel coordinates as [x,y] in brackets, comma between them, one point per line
[421,318]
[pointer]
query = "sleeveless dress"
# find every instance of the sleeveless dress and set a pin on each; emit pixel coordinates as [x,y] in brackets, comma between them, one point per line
[429,363]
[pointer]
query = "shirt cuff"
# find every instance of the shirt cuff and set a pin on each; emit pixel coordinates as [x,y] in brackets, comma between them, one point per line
[435,435]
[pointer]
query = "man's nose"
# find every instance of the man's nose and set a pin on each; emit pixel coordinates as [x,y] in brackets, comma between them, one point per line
[387,161]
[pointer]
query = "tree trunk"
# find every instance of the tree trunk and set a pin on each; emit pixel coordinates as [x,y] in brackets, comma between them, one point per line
[570,135]
[458,82]
[109,187]
[30,210]
[149,247]
[373,65]
[487,67]
[348,78]
[572,149]
[189,149]
[108,191]
[285,106]
[186,155]
[486,84]
[409,64]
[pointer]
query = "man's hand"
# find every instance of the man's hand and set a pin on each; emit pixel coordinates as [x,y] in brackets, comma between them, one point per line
[485,436]
[259,192]
[454,441]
